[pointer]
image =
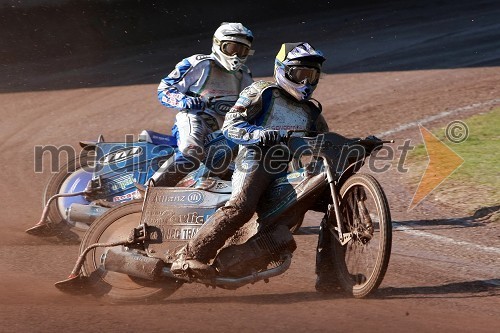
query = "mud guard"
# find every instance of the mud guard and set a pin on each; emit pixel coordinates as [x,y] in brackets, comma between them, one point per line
[88,144]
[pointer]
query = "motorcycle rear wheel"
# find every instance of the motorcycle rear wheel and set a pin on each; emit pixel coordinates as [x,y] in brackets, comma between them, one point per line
[71,177]
[362,262]
[114,225]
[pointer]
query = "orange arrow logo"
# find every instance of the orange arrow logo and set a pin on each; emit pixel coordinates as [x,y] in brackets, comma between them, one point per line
[442,163]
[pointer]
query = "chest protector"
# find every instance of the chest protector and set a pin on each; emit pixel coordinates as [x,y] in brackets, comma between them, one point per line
[282,113]
[222,84]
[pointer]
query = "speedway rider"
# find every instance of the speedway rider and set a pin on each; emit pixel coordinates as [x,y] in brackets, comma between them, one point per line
[191,86]
[257,123]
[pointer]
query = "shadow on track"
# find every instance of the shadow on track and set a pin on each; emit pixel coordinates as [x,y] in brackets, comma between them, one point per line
[480,218]
[284,298]
[480,288]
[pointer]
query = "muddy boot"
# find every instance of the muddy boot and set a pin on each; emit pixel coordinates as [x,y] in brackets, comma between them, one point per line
[326,277]
[327,282]
[105,203]
[186,266]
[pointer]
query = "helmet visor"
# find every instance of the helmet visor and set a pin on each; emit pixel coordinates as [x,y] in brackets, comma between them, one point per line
[232,48]
[299,74]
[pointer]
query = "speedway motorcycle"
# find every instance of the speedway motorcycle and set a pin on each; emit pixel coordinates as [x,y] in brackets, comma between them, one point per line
[106,174]
[126,255]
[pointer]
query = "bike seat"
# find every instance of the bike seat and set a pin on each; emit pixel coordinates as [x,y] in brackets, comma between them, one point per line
[157,138]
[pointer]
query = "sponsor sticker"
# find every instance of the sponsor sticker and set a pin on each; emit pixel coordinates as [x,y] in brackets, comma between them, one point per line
[127,197]
[120,155]
[195,197]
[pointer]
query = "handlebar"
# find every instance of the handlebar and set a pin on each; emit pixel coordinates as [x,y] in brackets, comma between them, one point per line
[221,98]
[368,140]
[325,141]
[221,104]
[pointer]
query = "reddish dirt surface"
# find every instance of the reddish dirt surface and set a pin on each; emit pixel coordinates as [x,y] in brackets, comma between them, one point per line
[444,270]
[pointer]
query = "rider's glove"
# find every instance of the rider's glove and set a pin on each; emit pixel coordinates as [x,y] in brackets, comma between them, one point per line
[372,138]
[270,137]
[195,103]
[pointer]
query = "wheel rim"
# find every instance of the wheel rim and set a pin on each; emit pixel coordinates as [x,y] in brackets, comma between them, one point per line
[119,229]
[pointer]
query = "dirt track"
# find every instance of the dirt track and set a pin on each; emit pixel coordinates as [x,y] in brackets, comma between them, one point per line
[445,269]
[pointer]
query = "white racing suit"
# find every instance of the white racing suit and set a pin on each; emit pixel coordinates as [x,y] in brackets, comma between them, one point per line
[261,106]
[195,77]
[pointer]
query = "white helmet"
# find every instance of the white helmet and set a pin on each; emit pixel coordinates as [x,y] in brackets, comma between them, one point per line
[297,69]
[231,45]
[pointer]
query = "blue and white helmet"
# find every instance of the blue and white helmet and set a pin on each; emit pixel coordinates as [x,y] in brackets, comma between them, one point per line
[231,45]
[297,69]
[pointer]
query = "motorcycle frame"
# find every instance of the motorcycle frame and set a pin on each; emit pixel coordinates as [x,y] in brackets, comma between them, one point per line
[95,190]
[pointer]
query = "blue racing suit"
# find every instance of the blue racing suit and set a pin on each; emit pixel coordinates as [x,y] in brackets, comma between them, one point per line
[203,91]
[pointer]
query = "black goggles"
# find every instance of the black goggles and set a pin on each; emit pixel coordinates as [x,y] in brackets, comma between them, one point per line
[232,48]
[299,74]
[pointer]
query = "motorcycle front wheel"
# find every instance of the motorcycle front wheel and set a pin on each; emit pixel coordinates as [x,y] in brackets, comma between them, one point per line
[362,262]
[114,225]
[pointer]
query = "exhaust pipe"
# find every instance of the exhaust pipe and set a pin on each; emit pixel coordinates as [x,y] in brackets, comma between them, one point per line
[235,283]
[84,213]
[134,264]
[116,259]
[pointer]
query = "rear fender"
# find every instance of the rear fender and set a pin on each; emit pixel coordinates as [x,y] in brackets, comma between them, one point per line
[88,144]
[91,144]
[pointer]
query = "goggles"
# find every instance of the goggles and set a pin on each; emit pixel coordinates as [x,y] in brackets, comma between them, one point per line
[299,74]
[232,48]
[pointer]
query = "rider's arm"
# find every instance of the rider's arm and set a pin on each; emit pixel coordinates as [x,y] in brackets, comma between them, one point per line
[247,78]
[321,125]
[173,91]
[238,125]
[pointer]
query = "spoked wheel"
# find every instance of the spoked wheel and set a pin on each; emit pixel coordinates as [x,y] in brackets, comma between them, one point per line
[71,177]
[114,225]
[362,262]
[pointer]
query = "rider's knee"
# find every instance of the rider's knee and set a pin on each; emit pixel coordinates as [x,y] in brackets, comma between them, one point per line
[238,213]
[193,153]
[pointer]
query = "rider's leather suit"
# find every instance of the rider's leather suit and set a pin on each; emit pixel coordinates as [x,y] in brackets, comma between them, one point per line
[198,76]
[261,106]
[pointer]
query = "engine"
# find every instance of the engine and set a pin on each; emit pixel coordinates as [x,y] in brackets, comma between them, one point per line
[257,254]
